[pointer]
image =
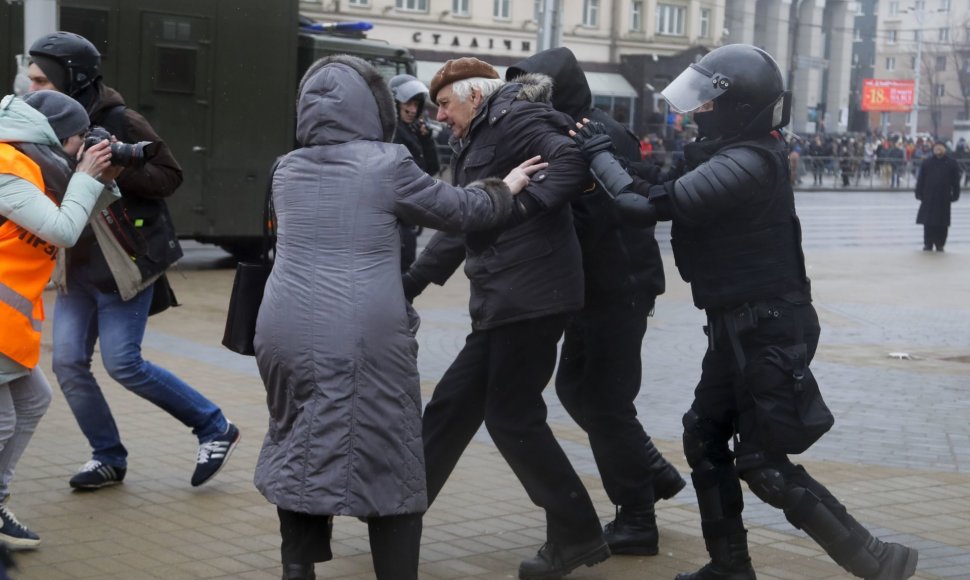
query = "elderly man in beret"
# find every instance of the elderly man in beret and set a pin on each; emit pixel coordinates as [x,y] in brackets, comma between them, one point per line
[525,282]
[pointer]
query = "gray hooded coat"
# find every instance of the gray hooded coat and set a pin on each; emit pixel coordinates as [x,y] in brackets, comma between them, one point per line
[335,337]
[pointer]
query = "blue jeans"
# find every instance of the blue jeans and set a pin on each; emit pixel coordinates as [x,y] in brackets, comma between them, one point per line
[82,315]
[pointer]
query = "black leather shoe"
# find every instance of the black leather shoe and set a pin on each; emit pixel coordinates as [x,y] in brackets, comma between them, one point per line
[667,482]
[555,561]
[298,572]
[712,572]
[634,531]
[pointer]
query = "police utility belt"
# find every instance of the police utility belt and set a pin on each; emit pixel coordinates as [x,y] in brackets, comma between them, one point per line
[776,385]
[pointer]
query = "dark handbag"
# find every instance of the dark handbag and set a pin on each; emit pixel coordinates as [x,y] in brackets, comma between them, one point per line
[163,297]
[248,286]
[789,413]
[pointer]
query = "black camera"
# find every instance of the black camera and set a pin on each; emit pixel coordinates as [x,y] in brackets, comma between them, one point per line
[123,154]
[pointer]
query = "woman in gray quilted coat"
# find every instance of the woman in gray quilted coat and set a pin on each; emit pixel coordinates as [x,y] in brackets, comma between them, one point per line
[335,337]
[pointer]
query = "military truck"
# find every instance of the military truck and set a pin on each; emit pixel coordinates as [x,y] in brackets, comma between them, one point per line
[217,79]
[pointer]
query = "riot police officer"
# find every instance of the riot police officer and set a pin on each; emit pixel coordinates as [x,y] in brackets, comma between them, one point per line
[737,241]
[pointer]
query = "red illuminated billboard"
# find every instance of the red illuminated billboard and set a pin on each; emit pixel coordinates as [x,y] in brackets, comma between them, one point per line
[887,95]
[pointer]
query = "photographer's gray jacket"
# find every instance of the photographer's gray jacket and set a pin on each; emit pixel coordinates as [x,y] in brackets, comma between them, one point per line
[335,337]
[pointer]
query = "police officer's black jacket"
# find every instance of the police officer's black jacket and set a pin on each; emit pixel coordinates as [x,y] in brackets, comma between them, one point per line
[735,234]
[618,259]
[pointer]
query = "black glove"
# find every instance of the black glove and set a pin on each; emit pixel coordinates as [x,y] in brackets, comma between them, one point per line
[592,139]
[413,285]
[636,210]
[645,209]
[678,169]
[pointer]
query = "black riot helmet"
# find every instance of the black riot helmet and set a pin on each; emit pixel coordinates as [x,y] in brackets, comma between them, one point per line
[733,90]
[79,59]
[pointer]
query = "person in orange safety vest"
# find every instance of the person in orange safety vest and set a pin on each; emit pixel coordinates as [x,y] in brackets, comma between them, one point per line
[45,201]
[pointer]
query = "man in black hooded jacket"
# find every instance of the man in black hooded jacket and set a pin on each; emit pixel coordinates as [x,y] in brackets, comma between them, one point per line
[599,365]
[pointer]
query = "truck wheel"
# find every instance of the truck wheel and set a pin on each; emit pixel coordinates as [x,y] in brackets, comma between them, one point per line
[244,251]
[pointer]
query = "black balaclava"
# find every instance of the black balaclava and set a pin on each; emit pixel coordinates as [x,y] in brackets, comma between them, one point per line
[54,70]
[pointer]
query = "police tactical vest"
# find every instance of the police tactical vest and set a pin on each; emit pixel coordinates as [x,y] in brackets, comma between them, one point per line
[751,252]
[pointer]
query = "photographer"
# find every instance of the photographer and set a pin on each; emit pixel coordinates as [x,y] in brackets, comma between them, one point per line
[44,204]
[109,280]
[413,132]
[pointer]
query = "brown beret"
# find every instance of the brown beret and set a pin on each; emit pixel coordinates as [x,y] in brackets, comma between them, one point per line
[458,69]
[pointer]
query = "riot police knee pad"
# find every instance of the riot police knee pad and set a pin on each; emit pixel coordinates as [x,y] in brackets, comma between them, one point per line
[769,485]
[695,449]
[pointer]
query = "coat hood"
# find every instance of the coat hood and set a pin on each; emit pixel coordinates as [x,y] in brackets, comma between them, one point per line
[571,94]
[343,98]
[21,123]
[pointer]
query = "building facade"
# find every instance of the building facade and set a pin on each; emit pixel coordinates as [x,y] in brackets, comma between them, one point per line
[812,42]
[863,61]
[927,41]
[619,43]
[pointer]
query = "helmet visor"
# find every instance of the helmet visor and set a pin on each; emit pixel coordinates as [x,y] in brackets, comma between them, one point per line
[693,88]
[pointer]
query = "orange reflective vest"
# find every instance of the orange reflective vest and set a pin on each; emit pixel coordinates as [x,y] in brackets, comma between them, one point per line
[26,264]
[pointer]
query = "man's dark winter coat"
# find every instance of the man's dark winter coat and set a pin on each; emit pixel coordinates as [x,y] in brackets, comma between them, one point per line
[937,187]
[533,269]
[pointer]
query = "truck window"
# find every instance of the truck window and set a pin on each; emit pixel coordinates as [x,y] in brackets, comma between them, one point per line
[175,69]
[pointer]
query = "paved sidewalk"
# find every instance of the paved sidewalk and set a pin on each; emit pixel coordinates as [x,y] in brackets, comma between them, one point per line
[899,455]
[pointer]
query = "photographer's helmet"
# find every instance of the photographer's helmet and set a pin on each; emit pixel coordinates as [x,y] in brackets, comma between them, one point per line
[735,89]
[406,88]
[75,54]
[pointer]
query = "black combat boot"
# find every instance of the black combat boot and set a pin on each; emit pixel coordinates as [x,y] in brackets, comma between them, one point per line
[729,560]
[634,531]
[667,481]
[555,560]
[851,545]
[299,572]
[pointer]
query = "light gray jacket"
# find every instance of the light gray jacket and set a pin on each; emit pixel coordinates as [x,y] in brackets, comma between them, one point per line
[25,205]
[335,337]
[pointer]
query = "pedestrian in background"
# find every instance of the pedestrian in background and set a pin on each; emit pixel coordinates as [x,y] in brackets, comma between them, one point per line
[897,163]
[107,280]
[937,186]
[526,281]
[599,362]
[818,153]
[335,339]
[44,203]
[413,132]
[962,155]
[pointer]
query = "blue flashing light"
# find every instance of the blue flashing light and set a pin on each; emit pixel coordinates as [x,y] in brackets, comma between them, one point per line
[359,26]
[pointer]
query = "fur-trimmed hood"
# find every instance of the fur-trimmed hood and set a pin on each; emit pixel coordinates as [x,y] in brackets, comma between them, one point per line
[536,88]
[343,98]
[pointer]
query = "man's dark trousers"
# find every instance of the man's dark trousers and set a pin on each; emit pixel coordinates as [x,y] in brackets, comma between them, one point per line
[597,382]
[498,377]
[934,236]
